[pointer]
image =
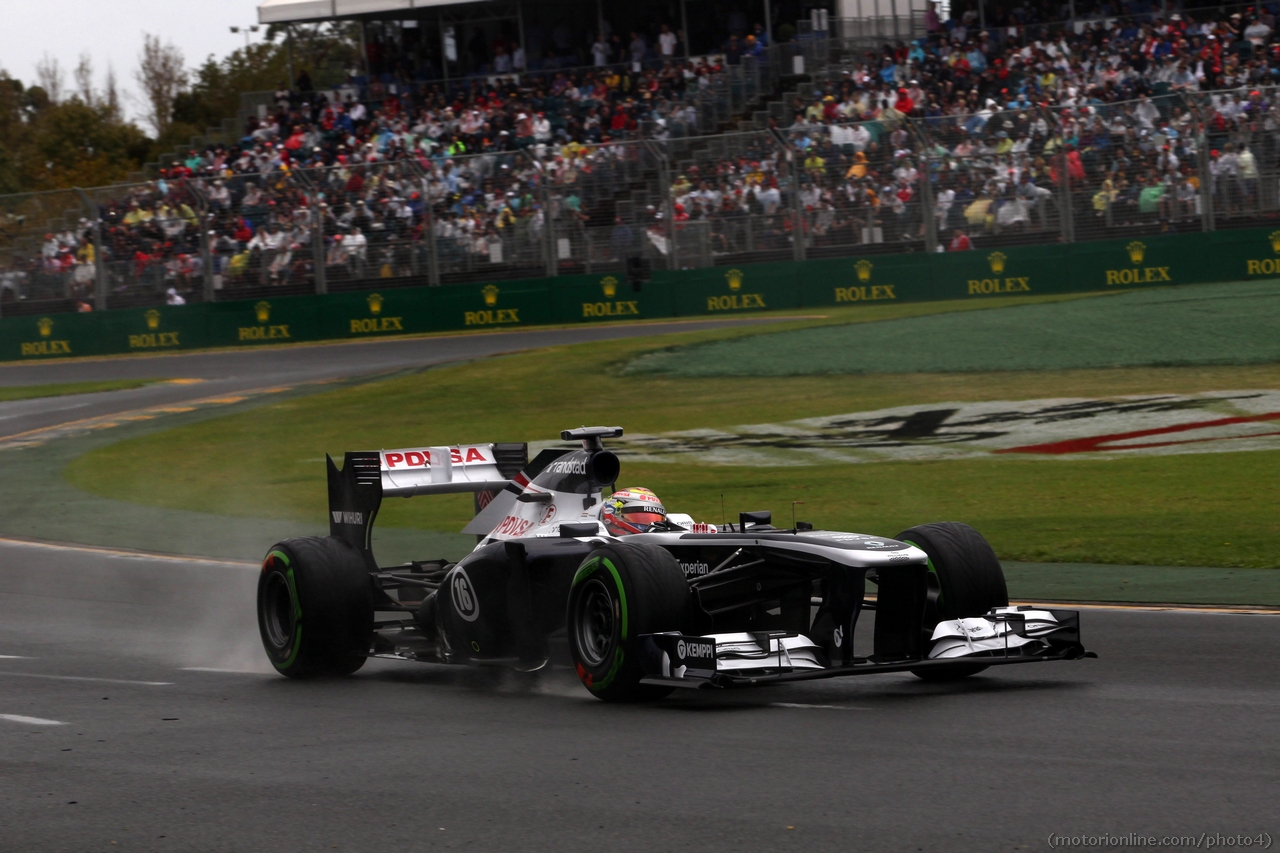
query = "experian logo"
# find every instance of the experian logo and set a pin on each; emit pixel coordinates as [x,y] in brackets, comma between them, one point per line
[695,568]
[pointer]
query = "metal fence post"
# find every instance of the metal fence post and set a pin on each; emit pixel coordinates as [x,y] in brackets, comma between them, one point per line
[930,223]
[548,228]
[1204,167]
[99,257]
[792,157]
[209,294]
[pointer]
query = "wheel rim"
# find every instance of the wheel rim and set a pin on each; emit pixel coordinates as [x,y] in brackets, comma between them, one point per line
[595,623]
[277,610]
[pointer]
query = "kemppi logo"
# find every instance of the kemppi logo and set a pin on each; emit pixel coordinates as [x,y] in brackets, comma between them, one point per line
[686,650]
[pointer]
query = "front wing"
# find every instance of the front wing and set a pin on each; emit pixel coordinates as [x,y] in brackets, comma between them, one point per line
[1006,635]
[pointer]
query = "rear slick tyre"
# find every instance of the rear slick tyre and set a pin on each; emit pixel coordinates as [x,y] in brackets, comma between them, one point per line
[315,607]
[970,582]
[620,592]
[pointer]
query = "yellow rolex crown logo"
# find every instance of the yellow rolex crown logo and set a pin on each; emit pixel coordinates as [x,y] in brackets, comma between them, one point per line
[1136,251]
[153,319]
[734,277]
[997,259]
[375,303]
[609,285]
[490,293]
[45,325]
[1275,241]
[863,269]
[263,311]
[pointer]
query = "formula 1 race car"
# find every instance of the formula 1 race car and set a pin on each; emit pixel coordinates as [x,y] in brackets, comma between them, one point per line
[679,605]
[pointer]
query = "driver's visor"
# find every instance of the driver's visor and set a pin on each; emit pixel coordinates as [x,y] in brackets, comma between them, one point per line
[642,517]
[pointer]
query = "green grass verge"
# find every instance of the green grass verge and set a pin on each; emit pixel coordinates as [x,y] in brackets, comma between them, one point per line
[1195,510]
[1198,324]
[29,392]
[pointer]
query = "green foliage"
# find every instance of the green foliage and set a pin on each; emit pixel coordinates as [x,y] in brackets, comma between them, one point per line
[45,146]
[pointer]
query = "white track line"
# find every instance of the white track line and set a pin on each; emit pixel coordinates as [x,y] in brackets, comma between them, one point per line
[86,678]
[816,707]
[224,671]
[123,552]
[30,721]
[14,657]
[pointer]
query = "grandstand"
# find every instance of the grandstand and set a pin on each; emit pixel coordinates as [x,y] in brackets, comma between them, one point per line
[533,156]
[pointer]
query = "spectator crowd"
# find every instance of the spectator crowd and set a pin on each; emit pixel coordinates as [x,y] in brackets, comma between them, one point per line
[991,127]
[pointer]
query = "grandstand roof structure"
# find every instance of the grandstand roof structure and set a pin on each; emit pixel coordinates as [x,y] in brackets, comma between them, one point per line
[294,11]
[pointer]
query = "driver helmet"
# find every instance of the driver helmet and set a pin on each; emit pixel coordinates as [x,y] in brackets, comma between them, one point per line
[633,510]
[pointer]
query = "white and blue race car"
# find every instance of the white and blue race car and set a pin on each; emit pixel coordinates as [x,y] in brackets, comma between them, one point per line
[680,605]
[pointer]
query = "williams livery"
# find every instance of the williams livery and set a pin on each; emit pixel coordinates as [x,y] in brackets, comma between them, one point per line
[646,601]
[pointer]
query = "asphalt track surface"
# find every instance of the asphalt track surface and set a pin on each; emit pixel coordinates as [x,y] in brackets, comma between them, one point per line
[223,372]
[172,734]
[137,712]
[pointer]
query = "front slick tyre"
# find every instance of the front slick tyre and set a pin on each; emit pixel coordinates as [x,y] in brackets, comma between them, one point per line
[315,607]
[970,582]
[620,592]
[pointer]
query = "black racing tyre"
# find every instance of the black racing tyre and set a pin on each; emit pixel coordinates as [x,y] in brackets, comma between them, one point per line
[970,581]
[618,593]
[315,607]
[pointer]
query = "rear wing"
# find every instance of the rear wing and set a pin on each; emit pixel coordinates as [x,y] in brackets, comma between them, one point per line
[445,470]
[356,491]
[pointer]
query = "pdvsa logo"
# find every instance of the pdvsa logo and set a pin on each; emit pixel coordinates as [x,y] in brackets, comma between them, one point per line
[463,595]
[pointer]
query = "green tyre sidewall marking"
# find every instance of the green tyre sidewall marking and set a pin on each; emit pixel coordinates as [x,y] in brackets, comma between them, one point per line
[297,610]
[589,568]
